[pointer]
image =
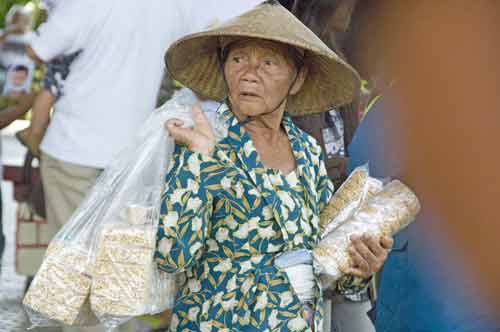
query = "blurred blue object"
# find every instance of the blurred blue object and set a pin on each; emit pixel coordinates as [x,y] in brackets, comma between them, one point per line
[424,286]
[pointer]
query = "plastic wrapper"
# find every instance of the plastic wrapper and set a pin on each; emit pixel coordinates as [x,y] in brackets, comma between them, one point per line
[298,265]
[355,190]
[114,231]
[123,273]
[385,213]
[61,289]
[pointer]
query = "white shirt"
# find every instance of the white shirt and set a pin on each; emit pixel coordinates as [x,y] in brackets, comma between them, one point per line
[113,83]
[10,58]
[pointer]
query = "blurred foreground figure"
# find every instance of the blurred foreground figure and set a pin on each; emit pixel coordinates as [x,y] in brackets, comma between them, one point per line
[437,129]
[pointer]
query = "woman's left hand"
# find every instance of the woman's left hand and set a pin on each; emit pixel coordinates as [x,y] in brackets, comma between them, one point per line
[368,254]
[200,138]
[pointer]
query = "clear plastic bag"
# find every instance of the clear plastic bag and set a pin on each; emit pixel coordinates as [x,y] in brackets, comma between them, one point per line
[104,253]
[385,213]
[362,204]
[355,190]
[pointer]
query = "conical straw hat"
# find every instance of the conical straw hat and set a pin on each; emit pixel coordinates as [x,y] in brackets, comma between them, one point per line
[195,62]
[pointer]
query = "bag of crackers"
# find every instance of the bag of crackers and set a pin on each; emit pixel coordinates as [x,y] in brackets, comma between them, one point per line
[99,267]
[362,205]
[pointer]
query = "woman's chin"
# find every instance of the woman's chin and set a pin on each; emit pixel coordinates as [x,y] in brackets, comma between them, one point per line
[251,108]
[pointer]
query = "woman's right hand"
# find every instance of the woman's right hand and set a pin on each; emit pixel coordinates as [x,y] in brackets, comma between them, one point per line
[200,138]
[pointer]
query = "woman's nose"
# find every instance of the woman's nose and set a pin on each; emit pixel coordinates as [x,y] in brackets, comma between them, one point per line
[251,73]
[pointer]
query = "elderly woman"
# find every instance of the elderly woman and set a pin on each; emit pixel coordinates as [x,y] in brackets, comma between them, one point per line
[232,206]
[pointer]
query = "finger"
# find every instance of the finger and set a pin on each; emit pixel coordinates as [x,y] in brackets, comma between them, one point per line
[355,238]
[386,242]
[181,135]
[173,123]
[358,260]
[358,272]
[362,248]
[373,243]
[201,122]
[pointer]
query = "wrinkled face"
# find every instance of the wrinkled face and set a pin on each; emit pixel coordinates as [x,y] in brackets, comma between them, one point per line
[260,75]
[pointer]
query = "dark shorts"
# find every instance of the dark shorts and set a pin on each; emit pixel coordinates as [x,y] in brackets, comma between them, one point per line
[56,73]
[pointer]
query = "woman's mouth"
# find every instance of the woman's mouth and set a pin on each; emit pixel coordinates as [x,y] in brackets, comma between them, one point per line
[249,94]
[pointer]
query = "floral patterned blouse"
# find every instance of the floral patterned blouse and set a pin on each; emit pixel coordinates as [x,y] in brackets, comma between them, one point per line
[223,221]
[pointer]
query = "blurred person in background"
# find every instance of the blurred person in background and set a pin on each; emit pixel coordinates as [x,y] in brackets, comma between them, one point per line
[56,72]
[112,84]
[15,36]
[13,40]
[8,114]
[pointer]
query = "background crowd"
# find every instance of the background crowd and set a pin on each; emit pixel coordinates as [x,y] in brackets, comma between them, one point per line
[426,113]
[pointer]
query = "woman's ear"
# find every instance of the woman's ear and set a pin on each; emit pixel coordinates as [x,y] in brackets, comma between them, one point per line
[299,81]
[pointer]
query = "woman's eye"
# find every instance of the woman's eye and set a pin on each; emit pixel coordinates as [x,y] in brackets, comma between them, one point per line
[268,62]
[236,59]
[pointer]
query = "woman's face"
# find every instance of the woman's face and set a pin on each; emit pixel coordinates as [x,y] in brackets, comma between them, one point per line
[260,75]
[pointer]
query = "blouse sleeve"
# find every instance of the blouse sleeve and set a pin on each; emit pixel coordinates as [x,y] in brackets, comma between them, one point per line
[185,213]
[350,285]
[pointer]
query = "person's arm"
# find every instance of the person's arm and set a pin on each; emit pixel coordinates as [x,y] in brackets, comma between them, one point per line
[32,54]
[11,30]
[186,210]
[11,113]
[65,32]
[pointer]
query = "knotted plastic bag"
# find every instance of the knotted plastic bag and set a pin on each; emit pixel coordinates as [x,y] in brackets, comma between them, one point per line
[101,262]
[382,213]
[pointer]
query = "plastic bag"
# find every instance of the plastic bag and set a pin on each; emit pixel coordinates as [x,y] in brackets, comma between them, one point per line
[355,190]
[358,187]
[385,213]
[362,204]
[105,251]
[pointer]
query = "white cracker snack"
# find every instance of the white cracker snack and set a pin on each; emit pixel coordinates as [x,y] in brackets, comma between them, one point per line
[126,282]
[386,213]
[355,190]
[123,270]
[60,289]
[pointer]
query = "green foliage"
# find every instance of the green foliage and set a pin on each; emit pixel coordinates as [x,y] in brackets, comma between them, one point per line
[6,4]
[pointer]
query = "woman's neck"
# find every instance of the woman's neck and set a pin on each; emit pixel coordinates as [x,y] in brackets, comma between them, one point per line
[266,126]
[267,129]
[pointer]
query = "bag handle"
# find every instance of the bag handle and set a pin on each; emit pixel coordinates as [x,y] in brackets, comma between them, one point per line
[28,169]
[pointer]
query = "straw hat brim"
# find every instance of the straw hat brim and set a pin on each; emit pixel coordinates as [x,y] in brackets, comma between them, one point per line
[331,82]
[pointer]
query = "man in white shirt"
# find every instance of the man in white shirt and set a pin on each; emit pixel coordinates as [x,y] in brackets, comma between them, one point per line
[112,84]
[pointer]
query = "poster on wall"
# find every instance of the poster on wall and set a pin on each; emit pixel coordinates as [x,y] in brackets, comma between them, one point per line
[18,79]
